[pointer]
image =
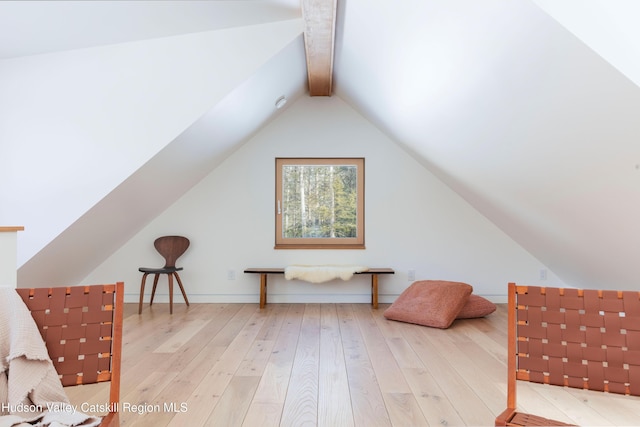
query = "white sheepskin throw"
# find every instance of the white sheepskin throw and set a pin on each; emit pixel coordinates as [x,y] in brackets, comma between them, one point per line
[322,273]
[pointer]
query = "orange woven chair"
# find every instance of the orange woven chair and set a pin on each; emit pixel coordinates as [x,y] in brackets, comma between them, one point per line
[82,330]
[171,248]
[586,339]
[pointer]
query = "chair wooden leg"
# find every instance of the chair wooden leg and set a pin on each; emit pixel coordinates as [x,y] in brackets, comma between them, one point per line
[170,276]
[504,417]
[184,294]
[112,419]
[153,290]
[144,278]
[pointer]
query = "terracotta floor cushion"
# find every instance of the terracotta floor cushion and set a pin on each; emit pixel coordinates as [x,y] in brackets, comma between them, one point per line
[434,303]
[476,306]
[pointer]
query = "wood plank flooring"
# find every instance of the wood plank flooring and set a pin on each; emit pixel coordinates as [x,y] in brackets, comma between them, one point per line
[325,365]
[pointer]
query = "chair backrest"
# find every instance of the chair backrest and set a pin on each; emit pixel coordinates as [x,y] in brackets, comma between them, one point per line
[580,338]
[171,248]
[588,339]
[82,330]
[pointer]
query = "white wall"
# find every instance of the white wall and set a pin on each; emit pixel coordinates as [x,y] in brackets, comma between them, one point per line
[413,221]
[8,257]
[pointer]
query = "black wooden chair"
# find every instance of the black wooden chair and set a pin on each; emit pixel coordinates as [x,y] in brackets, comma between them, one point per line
[171,248]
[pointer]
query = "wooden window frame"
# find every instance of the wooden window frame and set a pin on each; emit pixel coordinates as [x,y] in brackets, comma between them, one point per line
[322,242]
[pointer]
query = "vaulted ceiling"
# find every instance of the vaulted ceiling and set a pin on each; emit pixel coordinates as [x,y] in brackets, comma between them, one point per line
[527,109]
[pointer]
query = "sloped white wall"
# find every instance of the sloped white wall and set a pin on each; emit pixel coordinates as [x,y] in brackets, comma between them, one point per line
[608,27]
[516,114]
[413,221]
[75,124]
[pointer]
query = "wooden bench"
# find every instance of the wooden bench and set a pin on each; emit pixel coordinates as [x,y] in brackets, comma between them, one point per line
[264,272]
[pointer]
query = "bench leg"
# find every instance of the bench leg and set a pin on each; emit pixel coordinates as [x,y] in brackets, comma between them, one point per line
[374,290]
[263,290]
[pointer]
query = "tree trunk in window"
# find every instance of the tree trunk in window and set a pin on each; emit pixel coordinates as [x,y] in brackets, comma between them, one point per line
[333,203]
[303,207]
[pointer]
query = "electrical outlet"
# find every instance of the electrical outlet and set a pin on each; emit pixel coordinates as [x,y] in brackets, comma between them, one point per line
[411,275]
[231,275]
[543,274]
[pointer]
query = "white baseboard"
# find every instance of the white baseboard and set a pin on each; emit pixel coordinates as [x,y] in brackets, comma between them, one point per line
[282,298]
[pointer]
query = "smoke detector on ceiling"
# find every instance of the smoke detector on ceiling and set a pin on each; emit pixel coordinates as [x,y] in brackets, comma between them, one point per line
[280,102]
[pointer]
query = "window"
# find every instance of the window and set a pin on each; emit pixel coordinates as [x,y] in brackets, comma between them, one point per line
[319,203]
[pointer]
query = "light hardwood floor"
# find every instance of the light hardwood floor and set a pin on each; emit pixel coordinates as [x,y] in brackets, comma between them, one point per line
[326,365]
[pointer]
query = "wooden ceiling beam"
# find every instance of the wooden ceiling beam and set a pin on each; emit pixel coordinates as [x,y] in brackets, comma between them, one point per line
[319,39]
